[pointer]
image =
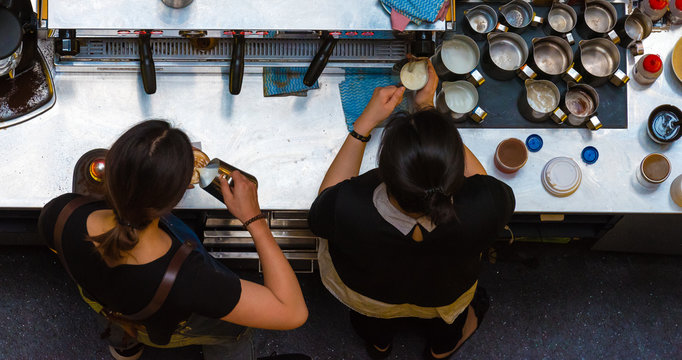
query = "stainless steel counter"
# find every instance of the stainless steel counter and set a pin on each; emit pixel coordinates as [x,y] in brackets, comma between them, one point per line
[288,15]
[289,142]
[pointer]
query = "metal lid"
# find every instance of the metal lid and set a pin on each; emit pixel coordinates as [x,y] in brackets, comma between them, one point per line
[561,176]
[534,143]
[10,33]
[590,155]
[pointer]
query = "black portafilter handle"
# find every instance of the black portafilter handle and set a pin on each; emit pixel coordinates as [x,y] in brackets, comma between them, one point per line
[320,60]
[147,63]
[237,64]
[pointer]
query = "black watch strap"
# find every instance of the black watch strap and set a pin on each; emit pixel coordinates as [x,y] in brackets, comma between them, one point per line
[360,137]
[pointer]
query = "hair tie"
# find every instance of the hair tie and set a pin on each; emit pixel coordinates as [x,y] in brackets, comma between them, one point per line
[431,191]
[124,223]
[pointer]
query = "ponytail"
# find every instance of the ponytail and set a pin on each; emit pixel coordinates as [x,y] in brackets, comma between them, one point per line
[112,243]
[148,170]
[438,207]
[421,160]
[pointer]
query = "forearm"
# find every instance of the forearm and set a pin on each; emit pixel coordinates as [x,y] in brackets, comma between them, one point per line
[471,164]
[347,162]
[278,276]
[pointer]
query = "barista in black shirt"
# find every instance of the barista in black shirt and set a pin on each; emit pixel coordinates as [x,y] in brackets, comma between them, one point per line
[404,240]
[119,249]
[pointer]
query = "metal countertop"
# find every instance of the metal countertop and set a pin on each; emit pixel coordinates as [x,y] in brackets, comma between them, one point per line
[289,142]
[289,15]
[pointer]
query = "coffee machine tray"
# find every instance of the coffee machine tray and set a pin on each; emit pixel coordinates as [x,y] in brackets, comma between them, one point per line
[28,95]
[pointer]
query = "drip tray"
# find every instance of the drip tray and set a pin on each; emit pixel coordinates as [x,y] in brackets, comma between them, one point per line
[499,98]
[26,96]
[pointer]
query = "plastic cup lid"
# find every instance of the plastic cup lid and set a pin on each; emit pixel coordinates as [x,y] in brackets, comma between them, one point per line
[561,176]
[590,155]
[652,63]
[534,143]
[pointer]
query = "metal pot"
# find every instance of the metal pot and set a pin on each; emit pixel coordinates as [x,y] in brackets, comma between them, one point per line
[580,103]
[598,20]
[539,101]
[632,29]
[505,56]
[597,60]
[518,14]
[459,99]
[456,59]
[561,21]
[552,57]
[481,20]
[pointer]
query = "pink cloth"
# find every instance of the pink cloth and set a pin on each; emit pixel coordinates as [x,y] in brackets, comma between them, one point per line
[399,21]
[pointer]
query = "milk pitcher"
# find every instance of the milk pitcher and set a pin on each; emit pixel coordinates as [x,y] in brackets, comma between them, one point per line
[209,177]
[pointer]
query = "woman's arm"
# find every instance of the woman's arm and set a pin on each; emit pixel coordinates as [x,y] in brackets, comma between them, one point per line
[471,164]
[347,162]
[278,304]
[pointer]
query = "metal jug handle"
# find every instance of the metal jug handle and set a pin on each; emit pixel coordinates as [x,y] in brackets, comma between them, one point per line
[478,114]
[593,123]
[613,36]
[525,72]
[572,75]
[475,78]
[558,115]
[619,78]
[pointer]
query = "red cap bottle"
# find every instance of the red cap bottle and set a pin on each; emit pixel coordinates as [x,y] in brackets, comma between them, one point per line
[652,63]
[658,4]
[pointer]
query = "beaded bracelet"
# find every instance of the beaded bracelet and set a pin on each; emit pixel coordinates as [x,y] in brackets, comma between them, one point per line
[257,217]
[360,137]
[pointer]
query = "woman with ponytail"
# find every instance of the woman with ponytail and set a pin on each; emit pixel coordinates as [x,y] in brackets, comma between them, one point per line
[404,241]
[119,250]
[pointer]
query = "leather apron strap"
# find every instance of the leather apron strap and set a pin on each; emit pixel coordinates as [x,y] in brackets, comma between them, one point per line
[169,276]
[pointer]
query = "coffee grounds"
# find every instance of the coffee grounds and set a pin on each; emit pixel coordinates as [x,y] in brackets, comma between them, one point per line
[25,93]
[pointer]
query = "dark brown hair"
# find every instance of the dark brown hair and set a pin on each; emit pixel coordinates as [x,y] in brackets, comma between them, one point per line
[421,160]
[147,171]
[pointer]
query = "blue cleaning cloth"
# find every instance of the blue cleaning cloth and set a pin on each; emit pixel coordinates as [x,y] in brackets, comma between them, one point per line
[280,81]
[358,87]
[426,10]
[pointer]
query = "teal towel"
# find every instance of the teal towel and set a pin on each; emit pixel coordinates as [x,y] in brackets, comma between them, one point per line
[282,81]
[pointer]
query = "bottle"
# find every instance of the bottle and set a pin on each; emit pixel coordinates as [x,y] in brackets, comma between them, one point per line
[655,9]
[648,69]
[676,12]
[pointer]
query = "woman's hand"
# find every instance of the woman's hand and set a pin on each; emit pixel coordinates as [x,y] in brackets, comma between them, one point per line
[424,97]
[242,198]
[383,102]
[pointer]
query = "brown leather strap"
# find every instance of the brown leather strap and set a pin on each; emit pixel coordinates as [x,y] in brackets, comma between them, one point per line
[168,277]
[166,283]
[63,216]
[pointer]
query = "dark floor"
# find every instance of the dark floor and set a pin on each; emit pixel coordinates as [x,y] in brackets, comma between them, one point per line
[570,305]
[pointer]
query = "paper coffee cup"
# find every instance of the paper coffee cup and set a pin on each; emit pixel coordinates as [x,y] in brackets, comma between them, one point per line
[510,155]
[653,170]
[676,191]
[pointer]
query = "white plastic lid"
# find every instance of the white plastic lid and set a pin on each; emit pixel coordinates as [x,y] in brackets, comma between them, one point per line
[561,176]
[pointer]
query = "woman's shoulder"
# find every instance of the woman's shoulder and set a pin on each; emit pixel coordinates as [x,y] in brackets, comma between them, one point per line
[50,212]
[496,190]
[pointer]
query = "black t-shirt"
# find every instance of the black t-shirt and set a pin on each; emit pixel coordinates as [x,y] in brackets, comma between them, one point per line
[375,259]
[203,286]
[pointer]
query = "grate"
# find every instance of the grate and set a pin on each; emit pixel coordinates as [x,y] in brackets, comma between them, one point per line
[256,50]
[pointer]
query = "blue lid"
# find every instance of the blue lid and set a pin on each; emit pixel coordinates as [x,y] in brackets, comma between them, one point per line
[534,143]
[590,155]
